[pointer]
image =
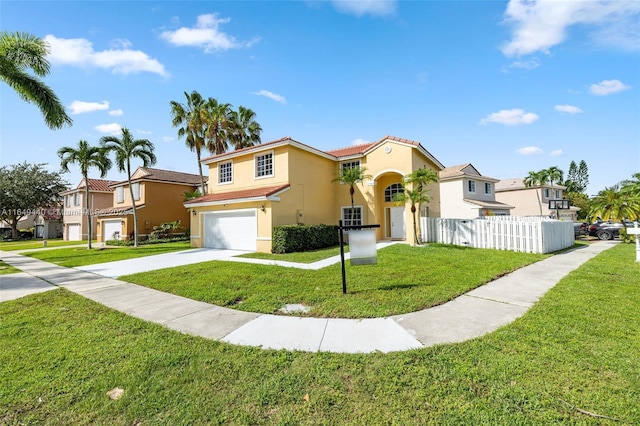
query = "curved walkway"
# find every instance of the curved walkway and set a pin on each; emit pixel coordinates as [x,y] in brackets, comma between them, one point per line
[471,315]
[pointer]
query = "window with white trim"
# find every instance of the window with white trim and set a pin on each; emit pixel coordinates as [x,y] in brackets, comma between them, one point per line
[264,165]
[546,193]
[558,194]
[225,172]
[471,186]
[67,201]
[352,216]
[76,199]
[350,164]
[487,188]
[120,194]
[136,190]
[391,190]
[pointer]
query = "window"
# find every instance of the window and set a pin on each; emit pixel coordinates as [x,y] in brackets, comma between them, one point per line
[264,165]
[67,201]
[76,199]
[120,194]
[546,193]
[351,216]
[558,194]
[350,164]
[135,187]
[472,186]
[392,190]
[487,188]
[225,173]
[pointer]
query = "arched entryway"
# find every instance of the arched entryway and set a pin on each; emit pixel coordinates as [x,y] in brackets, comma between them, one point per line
[392,217]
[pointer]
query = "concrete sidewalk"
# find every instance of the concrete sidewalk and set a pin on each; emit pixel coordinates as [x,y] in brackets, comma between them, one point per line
[474,314]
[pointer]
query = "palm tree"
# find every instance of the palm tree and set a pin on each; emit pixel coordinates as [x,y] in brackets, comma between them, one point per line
[614,205]
[85,157]
[554,174]
[20,52]
[188,118]
[415,197]
[351,176]
[631,186]
[420,178]
[536,179]
[126,149]
[217,120]
[245,130]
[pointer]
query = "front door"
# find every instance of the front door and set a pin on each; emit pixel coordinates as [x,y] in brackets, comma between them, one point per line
[397,222]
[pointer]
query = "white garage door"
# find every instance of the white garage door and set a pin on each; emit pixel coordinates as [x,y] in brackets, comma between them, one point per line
[235,230]
[74,232]
[112,230]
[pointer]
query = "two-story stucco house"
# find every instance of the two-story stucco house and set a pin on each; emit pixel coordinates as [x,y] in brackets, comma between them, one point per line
[533,201]
[283,182]
[158,195]
[75,219]
[466,194]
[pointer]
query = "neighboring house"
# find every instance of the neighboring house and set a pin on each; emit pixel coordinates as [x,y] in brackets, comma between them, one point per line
[284,182]
[533,201]
[158,195]
[466,194]
[75,217]
[48,223]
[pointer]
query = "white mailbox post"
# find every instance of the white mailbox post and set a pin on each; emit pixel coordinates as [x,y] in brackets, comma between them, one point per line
[635,231]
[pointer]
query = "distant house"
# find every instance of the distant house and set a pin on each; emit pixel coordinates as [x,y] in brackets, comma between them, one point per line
[75,217]
[253,190]
[466,194]
[48,222]
[533,201]
[159,197]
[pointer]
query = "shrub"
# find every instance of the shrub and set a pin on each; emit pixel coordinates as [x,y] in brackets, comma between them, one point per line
[126,243]
[626,238]
[297,238]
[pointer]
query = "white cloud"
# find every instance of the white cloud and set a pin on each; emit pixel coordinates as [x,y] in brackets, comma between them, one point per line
[81,107]
[359,142]
[167,139]
[143,132]
[556,153]
[608,87]
[120,43]
[79,52]
[111,128]
[570,109]
[206,34]
[366,7]
[540,25]
[510,117]
[529,150]
[526,65]
[116,112]
[271,95]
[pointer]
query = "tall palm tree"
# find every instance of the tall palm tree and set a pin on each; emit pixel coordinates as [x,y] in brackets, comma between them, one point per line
[20,52]
[127,148]
[189,120]
[614,205]
[217,119]
[86,157]
[536,179]
[631,186]
[245,130]
[420,178]
[415,197]
[554,174]
[351,176]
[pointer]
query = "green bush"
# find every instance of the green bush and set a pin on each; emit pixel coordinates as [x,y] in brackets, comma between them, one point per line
[626,238]
[146,241]
[298,238]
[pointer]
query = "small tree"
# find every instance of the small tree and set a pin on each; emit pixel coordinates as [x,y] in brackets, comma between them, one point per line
[351,176]
[414,197]
[536,180]
[420,179]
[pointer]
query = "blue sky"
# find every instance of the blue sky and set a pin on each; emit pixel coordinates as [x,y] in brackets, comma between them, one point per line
[509,86]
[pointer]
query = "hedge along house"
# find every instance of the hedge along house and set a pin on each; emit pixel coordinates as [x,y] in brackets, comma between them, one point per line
[158,195]
[284,182]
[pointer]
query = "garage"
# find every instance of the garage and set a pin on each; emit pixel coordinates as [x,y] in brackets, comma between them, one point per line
[111,229]
[73,232]
[234,230]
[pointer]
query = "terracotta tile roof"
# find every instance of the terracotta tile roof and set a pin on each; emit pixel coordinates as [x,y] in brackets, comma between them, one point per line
[165,176]
[97,185]
[237,195]
[351,150]
[249,148]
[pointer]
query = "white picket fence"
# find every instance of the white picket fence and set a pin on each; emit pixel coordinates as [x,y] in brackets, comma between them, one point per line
[516,233]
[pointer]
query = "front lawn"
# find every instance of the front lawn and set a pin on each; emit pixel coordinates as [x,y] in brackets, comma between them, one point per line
[37,244]
[301,257]
[7,269]
[80,256]
[406,279]
[575,349]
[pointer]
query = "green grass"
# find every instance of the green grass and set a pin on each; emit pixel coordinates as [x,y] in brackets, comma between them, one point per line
[36,244]
[7,269]
[302,257]
[61,353]
[80,256]
[406,279]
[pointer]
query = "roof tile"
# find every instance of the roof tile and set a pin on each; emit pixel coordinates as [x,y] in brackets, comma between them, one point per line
[265,191]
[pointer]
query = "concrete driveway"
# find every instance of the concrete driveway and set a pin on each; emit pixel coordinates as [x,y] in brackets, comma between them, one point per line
[159,261]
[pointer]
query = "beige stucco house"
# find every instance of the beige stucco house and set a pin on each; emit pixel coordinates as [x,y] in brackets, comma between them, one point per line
[283,182]
[75,218]
[533,201]
[466,194]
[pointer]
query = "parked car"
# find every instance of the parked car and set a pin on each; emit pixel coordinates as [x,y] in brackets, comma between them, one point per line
[580,228]
[607,230]
[25,235]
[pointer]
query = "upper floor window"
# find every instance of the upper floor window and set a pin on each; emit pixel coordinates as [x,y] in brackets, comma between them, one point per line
[487,188]
[76,199]
[546,193]
[352,216]
[558,194]
[67,201]
[392,190]
[136,190]
[120,194]
[350,164]
[225,173]
[471,186]
[264,165]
